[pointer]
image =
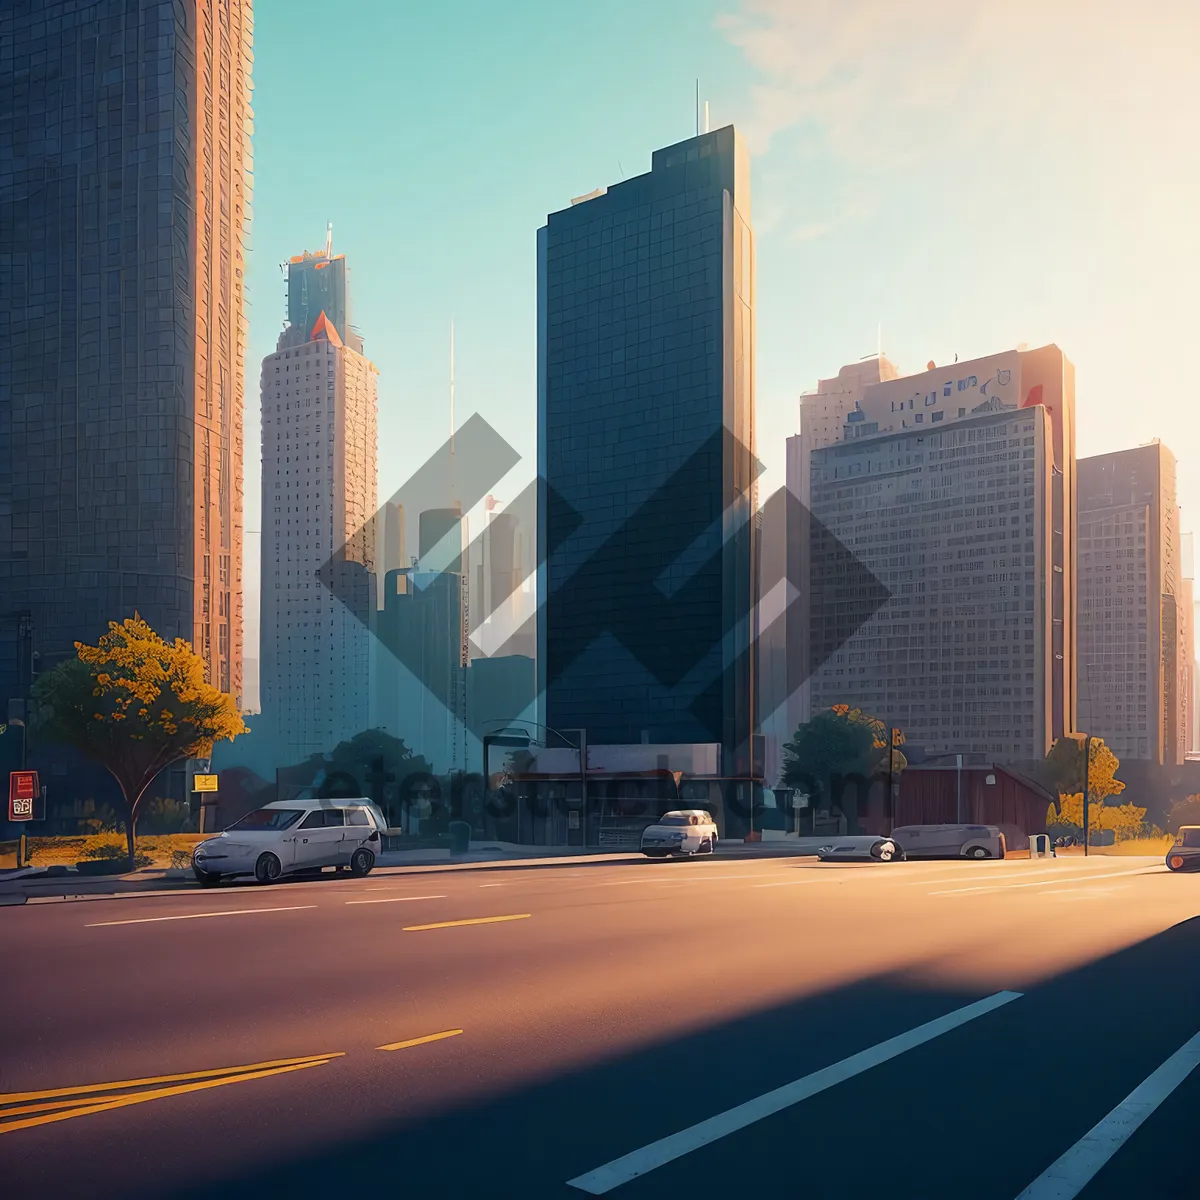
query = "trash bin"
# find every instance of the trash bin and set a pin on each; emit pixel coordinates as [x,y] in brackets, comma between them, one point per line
[460,837]
[1039,846]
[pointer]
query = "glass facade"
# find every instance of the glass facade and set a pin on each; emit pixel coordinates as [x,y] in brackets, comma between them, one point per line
[124,190]
[645,428]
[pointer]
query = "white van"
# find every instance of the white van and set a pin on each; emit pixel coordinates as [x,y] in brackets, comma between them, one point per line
[950,841]
[293,836]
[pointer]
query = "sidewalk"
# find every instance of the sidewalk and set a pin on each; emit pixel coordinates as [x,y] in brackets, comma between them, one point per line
[38,887]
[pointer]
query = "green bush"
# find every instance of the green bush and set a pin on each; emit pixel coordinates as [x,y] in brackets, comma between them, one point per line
[94,818]
[164,815]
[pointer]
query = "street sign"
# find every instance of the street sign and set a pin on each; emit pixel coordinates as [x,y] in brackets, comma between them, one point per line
[23,787]
[204,783]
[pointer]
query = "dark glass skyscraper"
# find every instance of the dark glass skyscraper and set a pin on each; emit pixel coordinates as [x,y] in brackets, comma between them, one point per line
[124,191]
[645,447]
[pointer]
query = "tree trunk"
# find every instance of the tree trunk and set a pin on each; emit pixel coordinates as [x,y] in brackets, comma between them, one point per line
[129,832]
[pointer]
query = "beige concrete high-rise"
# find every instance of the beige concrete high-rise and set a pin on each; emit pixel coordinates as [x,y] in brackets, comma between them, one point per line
[955,488]
[1134,619]
[823,414]
[319,481]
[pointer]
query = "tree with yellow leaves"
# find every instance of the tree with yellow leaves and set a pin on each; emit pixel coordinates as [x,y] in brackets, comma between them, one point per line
[1125,820]
[1066,769]
[136,704]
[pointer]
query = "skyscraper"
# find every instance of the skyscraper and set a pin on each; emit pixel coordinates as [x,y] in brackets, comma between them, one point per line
[823,414]
[955,488]
[319,411]
[124,197]
[645,444]
[1133,619]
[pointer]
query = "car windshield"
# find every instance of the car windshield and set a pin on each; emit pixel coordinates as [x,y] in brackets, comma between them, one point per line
[1191,837]
[675,819]
[266,819]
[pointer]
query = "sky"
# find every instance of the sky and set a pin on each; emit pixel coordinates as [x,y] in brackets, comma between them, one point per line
[962,177]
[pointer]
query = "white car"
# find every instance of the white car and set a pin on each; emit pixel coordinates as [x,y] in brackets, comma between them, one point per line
[685,832]
[293,836]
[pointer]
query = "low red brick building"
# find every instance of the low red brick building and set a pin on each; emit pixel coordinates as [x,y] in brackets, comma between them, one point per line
[990,795]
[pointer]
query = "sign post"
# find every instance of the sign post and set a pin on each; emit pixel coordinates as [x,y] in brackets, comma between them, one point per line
[23,789]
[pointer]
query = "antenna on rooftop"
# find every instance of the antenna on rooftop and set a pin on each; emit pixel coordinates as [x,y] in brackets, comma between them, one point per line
[329,240]
[697,107]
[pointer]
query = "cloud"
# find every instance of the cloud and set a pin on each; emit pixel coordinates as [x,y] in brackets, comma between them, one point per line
[882,82]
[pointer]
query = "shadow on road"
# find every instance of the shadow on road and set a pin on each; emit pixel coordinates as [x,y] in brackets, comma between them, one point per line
[976,1113]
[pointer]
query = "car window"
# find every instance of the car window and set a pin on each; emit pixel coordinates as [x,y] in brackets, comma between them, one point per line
[357,816]
[1191,837]
[314,820]
[335,816]
[673,819]
[268,819]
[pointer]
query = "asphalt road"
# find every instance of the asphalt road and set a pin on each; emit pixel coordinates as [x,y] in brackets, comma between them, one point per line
[699,1029]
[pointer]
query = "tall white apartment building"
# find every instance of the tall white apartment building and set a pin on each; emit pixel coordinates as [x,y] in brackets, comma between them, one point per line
[319,483]
[823,415]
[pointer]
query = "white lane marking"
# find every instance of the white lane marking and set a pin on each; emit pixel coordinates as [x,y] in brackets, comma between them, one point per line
[1005,873]
[1086,893]
[491,885]
[640,1162]
[1068,1175]
[395,899]
[233,912]
[623,882]
[706,877]
[1004,887]
[795,882]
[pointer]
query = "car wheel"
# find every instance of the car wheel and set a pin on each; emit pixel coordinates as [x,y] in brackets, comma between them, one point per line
[361,862]
[206,878]
[978,852]
[268,868]
[712,846]
[655,853]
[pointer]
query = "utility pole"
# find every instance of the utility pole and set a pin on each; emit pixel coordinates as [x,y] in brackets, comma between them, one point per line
[958,792]
[891,735]
[1087,790]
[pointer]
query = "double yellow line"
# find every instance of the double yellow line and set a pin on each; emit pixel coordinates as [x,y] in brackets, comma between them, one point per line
[24,1110]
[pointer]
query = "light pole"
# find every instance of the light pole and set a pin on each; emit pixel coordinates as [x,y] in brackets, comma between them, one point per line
[1087,790]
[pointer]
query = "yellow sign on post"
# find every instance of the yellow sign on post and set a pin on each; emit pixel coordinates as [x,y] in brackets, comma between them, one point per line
[204,783]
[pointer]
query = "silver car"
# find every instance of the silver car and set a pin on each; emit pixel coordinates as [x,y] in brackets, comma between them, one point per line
[950,841]
[861,848]
[290,837]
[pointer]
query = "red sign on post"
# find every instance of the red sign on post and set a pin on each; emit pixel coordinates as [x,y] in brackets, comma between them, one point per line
[22,790]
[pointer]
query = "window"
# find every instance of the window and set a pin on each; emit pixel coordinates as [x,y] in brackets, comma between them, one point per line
[268,819]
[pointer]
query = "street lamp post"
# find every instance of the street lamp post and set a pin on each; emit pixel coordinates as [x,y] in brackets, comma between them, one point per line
[1087,791]
[958,790]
